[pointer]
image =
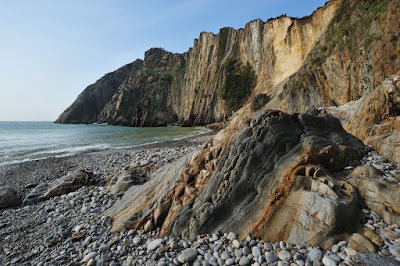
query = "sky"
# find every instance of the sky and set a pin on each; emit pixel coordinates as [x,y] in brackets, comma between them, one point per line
[50,51]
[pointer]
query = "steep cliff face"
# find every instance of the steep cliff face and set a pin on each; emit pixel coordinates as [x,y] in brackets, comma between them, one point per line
[358,51]
[91,101]
[375,118]
[188,88]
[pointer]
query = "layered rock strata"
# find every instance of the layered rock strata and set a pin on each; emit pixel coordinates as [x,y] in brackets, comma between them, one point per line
[277,168]
[187,88]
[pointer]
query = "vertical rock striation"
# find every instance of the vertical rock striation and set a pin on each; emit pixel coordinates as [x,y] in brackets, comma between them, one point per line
[186,88]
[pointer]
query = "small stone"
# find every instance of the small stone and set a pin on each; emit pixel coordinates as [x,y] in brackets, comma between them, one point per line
[315,254]
[328,261]
[267,246]
[236,243]
[271,258]
[335,248]
[137,240]
[282,263]
[190,254]
[244,261]
[77,236]
[174,245]
[230,261]
[392,235]
[89,256]
[385,252]
[246,250]
[282,245]
[185,244]
[394,250]
[342,244]
[256,251]
[285,255]
[350,252]
[231,236]
[104,248]
[85,209]
[153,245]
[335,258]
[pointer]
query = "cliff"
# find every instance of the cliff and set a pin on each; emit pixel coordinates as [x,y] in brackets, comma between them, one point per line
[91,101]
[282,155]
[196,87]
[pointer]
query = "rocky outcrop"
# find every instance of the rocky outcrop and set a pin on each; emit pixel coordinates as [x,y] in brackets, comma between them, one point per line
[359,49]
[134,175]
[332,58]
[88,105]
[189,88]
[279,167]
[375,118]
[63,185]
[379,195]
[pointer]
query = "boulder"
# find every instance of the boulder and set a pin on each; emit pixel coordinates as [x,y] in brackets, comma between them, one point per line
[8,197]
[37,194]
[70,182]
[275,167]
[120,182]
[360,243]
[380,196]
[373,259]
[63,185]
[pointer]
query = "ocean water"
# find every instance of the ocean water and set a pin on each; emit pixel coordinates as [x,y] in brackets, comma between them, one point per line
[23,141]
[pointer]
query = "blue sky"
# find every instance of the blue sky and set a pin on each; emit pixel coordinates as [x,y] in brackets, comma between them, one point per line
[51,50]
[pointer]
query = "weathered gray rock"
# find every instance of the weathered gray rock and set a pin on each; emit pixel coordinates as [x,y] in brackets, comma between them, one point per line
[70,182]
[126,178]
[89,256]
[271,164]
[315,254]
[373,259]
[380,196]
[189,254]
[37,194]
[8,197]
[244,261]
[153,245]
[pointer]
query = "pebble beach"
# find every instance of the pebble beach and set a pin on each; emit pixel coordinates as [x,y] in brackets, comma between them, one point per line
[71,230]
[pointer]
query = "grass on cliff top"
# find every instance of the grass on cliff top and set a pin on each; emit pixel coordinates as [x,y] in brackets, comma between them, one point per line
[239,82]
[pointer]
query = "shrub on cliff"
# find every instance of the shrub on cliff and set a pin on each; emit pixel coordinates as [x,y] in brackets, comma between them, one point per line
[239,82]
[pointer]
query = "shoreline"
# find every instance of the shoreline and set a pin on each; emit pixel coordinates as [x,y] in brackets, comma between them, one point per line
[106,162]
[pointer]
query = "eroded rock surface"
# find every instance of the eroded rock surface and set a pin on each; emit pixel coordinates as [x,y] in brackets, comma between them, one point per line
[277,168]
[375,118]
[63,185]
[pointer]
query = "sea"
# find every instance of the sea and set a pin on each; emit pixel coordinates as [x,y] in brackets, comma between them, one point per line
[24,141]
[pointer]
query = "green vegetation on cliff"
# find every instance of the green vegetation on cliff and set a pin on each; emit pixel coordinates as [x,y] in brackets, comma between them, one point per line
[239,82]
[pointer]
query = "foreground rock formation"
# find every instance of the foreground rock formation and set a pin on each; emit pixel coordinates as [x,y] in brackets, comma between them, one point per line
[279,167]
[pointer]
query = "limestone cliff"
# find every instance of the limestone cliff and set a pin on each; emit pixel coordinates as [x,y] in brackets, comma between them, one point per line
[189,88]
[337,55]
